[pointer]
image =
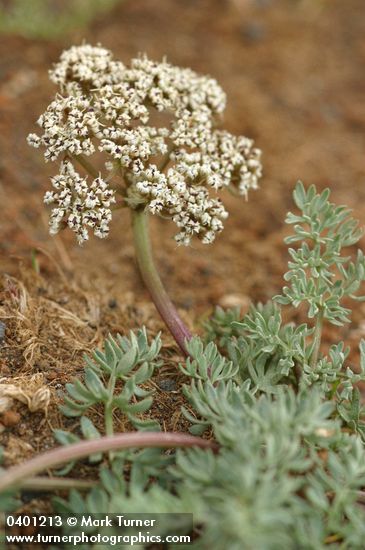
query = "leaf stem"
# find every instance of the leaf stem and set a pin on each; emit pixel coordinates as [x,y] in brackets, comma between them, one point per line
[108,407]
[153,282]
[86,165]
[317,338]
[108,410]
[15,476]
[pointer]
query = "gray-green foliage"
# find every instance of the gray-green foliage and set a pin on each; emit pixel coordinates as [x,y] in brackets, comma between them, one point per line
[220,327]
[271,355]
[286,476]
[267,351]
[113,379]
[319,274]
[49,18]
[289,422]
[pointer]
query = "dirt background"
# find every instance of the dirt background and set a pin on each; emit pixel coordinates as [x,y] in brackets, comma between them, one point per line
[295,79]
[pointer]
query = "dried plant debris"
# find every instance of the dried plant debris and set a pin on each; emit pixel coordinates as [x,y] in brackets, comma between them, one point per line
[31,391]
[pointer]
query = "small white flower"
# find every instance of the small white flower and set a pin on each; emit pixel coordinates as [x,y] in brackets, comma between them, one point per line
[34,140]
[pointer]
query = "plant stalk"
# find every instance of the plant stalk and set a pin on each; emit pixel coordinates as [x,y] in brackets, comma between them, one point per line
[108,410]
[317,338]
[15,476]
[108,417]
[153,282]
[86,165]
[108,407]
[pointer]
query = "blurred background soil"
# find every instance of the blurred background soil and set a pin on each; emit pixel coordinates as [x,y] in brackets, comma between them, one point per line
[295,79]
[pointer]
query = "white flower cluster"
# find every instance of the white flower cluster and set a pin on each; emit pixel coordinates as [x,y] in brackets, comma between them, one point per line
[156,123]
[223,160]
[85,67]
[189,206]
[69,126]
[78,205]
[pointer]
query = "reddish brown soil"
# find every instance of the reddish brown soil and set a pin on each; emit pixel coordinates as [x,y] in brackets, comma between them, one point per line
[293,71]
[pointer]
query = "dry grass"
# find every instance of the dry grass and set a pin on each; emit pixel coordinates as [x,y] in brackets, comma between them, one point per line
[52,319]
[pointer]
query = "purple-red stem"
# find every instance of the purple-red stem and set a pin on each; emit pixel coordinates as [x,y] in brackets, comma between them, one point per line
[153,282]
[148,270]
[14,476]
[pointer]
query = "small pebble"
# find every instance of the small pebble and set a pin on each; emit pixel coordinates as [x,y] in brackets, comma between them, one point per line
[28,496]
[41,291]
[235,300]
[206,271]
[187,303]
[10,418]
[253,32]
[167,384]
[2,331]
